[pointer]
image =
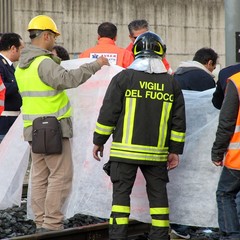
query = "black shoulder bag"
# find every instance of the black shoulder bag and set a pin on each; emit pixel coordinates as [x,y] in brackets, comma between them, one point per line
[47,135]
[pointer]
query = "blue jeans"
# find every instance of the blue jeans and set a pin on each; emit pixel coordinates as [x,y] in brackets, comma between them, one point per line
[228,188]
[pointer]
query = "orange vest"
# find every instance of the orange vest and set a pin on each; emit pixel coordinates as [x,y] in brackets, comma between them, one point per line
[2,95]
[107,48]
[232,158]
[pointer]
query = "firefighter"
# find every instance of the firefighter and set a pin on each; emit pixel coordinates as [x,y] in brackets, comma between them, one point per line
[144,110]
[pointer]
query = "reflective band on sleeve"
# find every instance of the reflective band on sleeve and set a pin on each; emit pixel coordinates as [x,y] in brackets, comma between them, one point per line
[160,223]
[1,103]
[103,129]
[120,209]
[48,93]
[159,211]
[177,136]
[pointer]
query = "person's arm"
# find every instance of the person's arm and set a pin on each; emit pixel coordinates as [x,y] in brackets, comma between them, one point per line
[109,113]
[9,82]
[178,126]
[59,78]
[218,96]
[226,126]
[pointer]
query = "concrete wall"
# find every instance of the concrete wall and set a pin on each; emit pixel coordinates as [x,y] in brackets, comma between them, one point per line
[185,25]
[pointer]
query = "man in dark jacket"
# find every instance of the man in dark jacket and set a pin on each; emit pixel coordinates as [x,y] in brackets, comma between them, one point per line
[197,74]
[144,110]
[11,45]
[223,75]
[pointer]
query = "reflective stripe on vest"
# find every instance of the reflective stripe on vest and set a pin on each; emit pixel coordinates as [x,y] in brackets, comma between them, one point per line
[1,85]
[2,95]
[232,158]
[38,98]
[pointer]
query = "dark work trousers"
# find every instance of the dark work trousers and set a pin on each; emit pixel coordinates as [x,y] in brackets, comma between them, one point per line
[123,176]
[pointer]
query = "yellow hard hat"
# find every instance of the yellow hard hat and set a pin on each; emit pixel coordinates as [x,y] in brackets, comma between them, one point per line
[43,22]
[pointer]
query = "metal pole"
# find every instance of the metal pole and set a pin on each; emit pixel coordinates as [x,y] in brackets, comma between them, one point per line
[6,16]
[232,31]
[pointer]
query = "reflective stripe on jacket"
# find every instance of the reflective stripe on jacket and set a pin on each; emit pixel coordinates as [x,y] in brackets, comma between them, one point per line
[2,95]
[146,115]
[232,158]
[40,99]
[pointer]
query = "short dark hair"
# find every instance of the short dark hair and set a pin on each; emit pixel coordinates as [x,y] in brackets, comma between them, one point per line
[203,55]
[61,52]
[8,40]
[137,25]
[108,30]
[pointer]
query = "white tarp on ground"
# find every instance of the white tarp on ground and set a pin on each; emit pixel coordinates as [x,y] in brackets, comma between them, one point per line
[192,185]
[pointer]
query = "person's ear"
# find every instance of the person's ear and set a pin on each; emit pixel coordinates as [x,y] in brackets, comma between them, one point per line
[12,48]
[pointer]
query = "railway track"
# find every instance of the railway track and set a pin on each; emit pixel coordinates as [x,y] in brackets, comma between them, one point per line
[89,232]
[99,231]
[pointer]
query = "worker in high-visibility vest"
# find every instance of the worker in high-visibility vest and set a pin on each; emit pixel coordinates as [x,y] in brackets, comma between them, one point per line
[226,153]
[2,95]
[42,81]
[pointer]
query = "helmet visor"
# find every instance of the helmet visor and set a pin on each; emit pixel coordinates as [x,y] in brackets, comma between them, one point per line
[153,46]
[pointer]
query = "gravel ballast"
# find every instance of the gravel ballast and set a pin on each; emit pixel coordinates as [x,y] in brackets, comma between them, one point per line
[13,223]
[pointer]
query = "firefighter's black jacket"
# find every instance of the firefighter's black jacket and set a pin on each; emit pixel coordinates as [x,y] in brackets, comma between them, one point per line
[146,115]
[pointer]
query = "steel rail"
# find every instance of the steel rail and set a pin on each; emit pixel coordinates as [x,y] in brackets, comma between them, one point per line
[90,232]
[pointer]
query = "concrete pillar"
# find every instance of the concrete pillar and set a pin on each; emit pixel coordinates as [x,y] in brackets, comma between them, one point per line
[232,31]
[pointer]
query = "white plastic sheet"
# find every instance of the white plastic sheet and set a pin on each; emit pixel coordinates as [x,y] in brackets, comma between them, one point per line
[192,185]
[14,154]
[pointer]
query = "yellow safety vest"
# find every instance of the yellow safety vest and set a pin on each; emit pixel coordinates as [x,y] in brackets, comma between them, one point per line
[38,98]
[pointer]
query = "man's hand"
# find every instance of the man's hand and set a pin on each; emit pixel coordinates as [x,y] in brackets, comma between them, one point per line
[173,161]
[97,149]
[103,61]
[218,163]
